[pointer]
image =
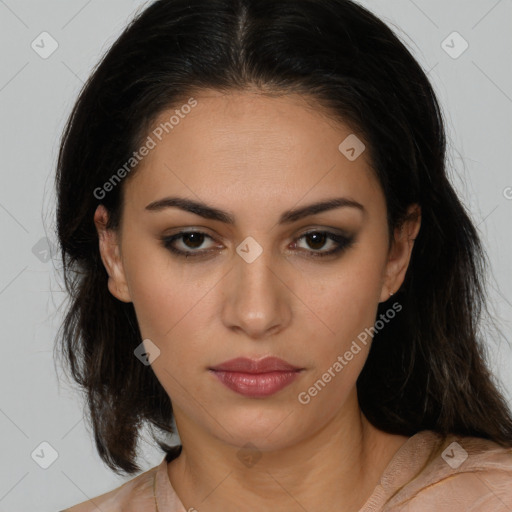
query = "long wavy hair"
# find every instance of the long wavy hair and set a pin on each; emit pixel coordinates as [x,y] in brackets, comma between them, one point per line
[427,368]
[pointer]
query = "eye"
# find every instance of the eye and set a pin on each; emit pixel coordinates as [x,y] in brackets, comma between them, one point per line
[192,241]
[189,240]
[317,239]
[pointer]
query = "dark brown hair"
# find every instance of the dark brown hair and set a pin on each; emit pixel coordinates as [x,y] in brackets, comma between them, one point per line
[426,369]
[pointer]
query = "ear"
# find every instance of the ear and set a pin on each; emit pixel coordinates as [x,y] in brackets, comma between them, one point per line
[111,256]
[400,252]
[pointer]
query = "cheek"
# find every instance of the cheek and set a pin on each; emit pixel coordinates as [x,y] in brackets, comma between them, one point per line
[171,304]
[161,291]
[348,302]
[164,307]
[168,312]
[347,305]
[349,315]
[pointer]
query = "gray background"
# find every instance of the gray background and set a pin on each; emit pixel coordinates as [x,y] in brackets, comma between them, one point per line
[36,96]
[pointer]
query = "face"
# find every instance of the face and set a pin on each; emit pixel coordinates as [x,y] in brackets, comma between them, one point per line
[276,280]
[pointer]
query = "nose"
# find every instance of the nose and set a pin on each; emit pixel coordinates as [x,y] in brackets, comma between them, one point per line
[257,300]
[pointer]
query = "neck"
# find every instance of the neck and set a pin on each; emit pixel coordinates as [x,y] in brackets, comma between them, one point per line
[337,467]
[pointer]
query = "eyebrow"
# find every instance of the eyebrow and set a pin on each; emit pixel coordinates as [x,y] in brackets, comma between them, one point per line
[287,217]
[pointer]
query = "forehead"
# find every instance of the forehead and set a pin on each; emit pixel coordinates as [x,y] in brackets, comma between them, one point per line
[246,144]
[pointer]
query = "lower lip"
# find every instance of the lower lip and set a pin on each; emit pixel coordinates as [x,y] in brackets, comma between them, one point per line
[256,384]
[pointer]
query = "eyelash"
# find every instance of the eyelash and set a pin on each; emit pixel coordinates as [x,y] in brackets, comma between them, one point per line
[343,242]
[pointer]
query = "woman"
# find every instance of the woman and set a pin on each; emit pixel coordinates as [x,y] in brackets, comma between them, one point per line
[261,244]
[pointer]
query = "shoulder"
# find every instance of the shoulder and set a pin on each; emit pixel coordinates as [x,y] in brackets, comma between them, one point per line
[462,474]
[136,495]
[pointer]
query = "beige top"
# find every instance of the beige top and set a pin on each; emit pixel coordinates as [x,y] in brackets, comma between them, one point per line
[461,474]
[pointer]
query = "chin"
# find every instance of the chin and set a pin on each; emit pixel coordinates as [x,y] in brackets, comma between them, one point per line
[267,430]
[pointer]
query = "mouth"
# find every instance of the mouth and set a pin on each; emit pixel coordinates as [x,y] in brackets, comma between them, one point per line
[256,378]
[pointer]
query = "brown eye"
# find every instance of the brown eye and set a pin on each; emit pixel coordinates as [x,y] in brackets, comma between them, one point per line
[315,240]
[193,240]
[190,241]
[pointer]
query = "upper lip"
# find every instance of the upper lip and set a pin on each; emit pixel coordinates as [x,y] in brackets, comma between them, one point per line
[246,365]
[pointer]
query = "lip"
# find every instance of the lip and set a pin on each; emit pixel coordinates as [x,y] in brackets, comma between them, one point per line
[256,378]
[246,365]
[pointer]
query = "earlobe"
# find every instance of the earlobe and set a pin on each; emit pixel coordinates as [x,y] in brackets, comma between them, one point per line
[110,255]
[401,252]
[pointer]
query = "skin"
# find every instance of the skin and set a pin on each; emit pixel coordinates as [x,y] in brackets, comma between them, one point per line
[255,157]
